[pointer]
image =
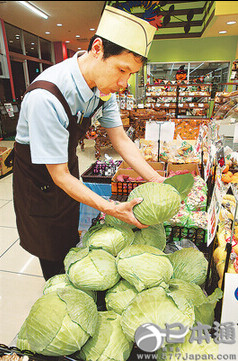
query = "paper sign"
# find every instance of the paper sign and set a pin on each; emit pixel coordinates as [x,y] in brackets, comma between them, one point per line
[163,131]
[213,216]
[235,139]
[229,316]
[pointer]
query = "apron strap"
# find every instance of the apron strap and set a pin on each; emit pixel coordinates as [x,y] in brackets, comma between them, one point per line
[52,88]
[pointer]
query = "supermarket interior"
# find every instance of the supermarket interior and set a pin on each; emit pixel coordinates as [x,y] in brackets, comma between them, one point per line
[86,271]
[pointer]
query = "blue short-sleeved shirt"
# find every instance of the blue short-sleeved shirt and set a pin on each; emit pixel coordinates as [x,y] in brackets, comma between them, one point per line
[43,122]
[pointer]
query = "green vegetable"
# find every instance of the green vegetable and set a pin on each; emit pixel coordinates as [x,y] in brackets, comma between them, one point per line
[183,183]
[152,236]
[91,269]
[183,351]
[61,281]
[59,323]
[109,342]
[113,221]
[119,296]
[155,306]
[160,202]
[189,264]
[144,266]
[203,305]
[110,238]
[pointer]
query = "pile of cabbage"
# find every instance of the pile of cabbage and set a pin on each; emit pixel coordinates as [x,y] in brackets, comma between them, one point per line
[120,279]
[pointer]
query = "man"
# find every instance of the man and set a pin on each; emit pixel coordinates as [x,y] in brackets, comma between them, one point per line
[56,111]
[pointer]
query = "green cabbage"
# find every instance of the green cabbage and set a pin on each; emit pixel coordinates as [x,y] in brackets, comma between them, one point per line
[154,306]
[144,266]
[152,236]
[61,281]
[160,202]
[115,222]
[189,350]
[109,342]
[110,238]
[59,323]
[189,264]
[203,305]
[91,269]
[119,296]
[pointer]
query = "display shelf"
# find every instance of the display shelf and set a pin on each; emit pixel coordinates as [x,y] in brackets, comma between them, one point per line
[187,99]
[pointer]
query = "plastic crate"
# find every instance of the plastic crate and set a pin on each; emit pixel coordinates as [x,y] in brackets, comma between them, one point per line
[124,188]
[89,177]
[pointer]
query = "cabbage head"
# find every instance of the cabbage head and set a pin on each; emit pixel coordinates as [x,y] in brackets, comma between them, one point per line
[110,238]
[204,306]
[61,281]
[119,296]
[155,306]
[144,266]
[115,222]
[189,264]
[59,323]
[91,269]
[160,202]
[152,236]
[189,350]
[109,342]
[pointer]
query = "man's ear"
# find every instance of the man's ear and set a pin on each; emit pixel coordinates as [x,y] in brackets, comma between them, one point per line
[97,47]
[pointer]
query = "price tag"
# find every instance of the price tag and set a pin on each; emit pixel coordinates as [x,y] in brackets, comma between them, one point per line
[191,105]
[201,105]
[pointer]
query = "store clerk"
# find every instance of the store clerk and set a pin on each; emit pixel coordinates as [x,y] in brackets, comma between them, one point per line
[55,114]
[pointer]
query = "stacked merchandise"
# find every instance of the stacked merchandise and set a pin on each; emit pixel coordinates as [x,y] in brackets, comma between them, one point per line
[191,219]
[226,218]
[120,279]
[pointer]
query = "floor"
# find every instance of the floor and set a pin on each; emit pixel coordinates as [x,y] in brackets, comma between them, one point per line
[21,280]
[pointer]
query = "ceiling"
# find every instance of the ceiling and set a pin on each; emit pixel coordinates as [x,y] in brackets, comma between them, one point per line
[77,18]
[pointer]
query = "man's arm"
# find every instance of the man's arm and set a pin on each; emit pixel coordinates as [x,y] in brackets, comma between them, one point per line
[78,191]
[131,154]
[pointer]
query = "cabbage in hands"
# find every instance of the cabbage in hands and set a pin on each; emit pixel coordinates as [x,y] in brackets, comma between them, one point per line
[91,269]
[110,238]
[155,306]
[152,236]
[109,342]
[189,264]
[119,296]
[144,266]
[160,202]
[59,323]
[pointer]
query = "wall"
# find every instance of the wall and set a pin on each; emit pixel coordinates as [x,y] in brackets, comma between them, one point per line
[205,49]
[192,50]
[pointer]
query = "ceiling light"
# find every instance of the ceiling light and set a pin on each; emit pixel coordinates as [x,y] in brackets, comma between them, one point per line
[79,48]
[77,36]
[47,32]
[223,32]
[59,24]
[67,41]
[231,22]
[34,9]
[92,29]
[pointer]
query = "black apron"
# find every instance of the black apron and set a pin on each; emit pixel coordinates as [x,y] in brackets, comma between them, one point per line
[47,218]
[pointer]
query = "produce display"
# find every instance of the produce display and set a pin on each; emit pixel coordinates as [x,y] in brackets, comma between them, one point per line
[139,281]
[223,236]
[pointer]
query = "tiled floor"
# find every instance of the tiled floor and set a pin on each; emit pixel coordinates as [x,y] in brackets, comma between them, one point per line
[21,280]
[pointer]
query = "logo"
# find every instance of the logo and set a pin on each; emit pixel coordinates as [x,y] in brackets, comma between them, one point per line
[150,337]
[236,293]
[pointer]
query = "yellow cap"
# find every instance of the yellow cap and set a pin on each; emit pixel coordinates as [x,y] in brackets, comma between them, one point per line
[126,30]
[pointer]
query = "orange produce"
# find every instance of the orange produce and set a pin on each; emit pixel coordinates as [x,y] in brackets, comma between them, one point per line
[225,170]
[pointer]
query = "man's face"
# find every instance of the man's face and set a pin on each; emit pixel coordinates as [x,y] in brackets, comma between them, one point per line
[112,74]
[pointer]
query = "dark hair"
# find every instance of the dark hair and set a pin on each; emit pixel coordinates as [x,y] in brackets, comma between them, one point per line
[110,49]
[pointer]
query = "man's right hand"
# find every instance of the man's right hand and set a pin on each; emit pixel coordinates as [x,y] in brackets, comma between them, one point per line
[124,212]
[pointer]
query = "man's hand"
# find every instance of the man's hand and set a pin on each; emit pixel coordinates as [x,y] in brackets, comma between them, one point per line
[124,212]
